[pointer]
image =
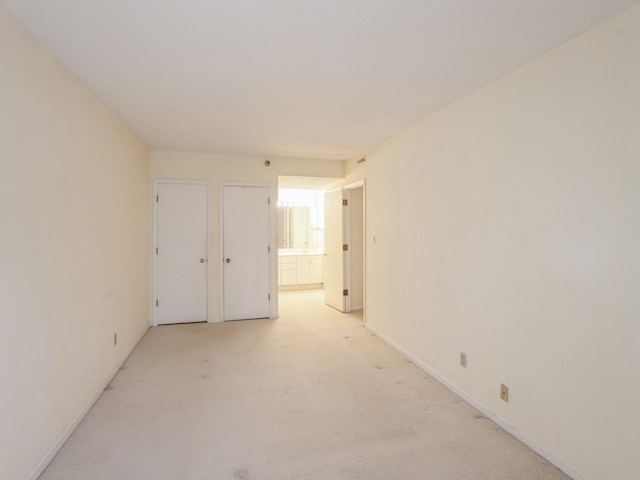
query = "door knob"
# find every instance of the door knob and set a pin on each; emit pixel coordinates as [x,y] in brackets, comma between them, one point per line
[228,260]
[202,260]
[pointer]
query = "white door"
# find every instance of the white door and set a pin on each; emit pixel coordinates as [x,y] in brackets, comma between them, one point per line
[336,211]
[181,253]
[246,252]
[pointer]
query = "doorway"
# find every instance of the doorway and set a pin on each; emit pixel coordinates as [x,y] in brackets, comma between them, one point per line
[181,212]
[246,252]
[356,247]
[294,262]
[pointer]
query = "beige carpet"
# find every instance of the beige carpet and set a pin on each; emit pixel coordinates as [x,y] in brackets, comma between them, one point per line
[312,395]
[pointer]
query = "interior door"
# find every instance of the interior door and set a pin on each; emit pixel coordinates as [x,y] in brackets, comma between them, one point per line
[181,253]
[336,212]
[246,252]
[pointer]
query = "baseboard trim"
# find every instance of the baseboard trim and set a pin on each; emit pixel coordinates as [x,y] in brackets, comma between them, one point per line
[529,442]
[64,436]
[304,286]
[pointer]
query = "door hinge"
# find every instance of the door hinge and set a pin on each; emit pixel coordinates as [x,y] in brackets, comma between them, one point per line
[345,292]
[269,296]
[345,202]
[268,201]
[157,198]
[156,303]
[269,249]
[156,250]
[345,247]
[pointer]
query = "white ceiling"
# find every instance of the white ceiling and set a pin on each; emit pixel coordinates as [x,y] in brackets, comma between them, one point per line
[297,78]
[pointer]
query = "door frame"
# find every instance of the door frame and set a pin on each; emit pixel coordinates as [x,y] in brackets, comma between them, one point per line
[271,243]
[351,186]
[154,200]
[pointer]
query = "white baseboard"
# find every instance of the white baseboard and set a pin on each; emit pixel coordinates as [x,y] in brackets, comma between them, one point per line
[529,442]
[64,436]
[305,286]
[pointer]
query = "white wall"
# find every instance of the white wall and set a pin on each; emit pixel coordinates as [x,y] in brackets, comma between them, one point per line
[218,168]
[508,227]
[74,249]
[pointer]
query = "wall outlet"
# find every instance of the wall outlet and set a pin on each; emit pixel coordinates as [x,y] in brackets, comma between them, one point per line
[115,339]
[463,359]
[504,392]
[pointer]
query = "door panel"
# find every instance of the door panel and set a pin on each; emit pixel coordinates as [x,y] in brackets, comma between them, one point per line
[335,271]
[246,257]
[181,271]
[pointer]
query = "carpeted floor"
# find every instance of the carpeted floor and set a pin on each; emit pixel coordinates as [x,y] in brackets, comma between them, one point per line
[312,395]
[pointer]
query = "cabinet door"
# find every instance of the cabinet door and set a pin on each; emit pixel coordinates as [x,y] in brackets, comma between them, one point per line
[303,270]
[287,274]
[315,269]
[289,277]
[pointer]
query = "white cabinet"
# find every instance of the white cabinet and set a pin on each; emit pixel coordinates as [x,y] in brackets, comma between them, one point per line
[287,271]
[300,269]
[315,268]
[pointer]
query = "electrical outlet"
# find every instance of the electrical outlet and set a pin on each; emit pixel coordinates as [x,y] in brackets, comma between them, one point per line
[115,339]
[463,359]
[504,392]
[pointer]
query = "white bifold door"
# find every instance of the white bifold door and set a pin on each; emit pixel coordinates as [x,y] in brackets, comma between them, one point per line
[246,252]
[181,253]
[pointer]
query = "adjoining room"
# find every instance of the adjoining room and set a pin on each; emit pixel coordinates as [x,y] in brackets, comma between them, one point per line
[322,247]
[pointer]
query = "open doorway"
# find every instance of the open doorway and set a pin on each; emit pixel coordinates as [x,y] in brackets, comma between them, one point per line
[301,236]
[303,253]
[356,247]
